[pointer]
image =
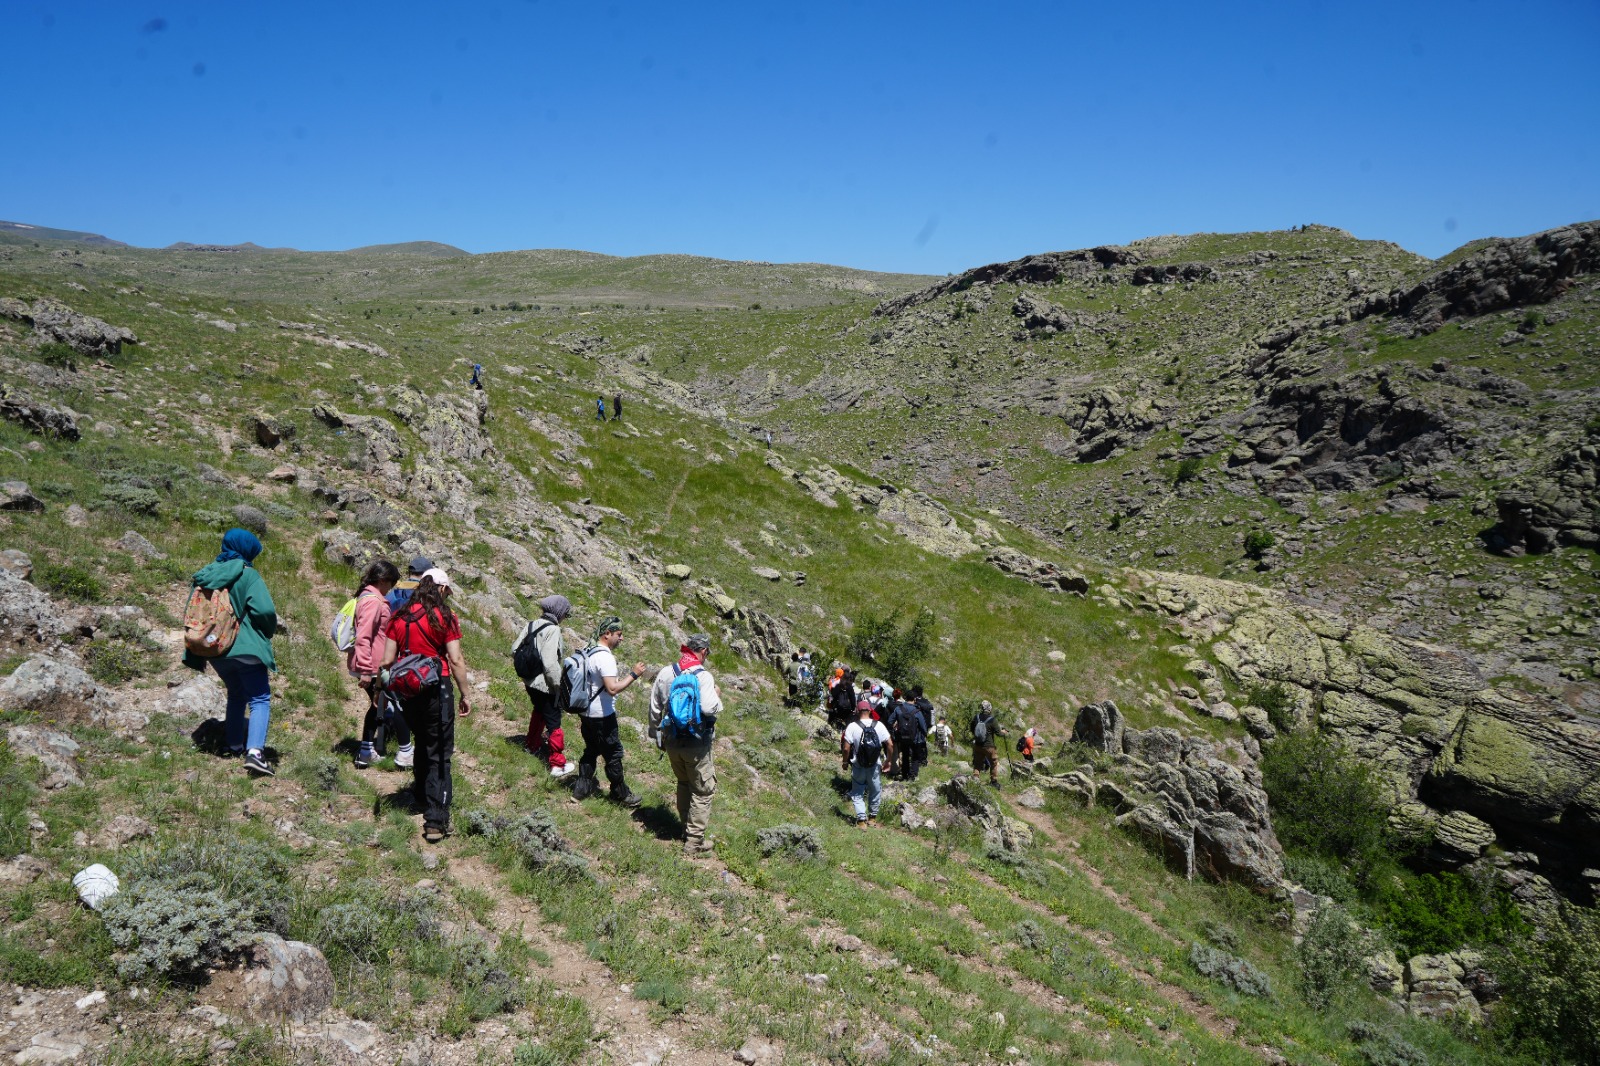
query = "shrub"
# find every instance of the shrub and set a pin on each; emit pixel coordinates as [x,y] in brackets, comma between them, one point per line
[1381,1047]
[57,354]
[1230,970]
[252,518]
[1440,912]
[113,662]
[534,838]
[1331,956]
[249,875]
[73,582]
[163,930]
[1258,542]
[280,510]
[1328,803]
[1277,701]
[131,498]
[1030,935]
[1221,935]
[1551,986]
[801,843]
[208,519]
[1188,470]
[1321,876]
[897,652]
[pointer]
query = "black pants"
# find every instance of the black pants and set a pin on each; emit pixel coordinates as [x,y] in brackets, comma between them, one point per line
[432,718]
[602,741]
[377,708]
[905,754]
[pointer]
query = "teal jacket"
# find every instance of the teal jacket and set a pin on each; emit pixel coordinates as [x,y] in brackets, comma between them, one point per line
[258,618]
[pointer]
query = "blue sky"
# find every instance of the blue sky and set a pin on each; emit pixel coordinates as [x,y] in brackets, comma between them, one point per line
[924,137]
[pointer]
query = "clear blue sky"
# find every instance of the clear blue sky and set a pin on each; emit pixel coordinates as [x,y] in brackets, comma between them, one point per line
[924,137]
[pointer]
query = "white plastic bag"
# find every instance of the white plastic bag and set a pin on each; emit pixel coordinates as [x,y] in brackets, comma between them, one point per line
[95,885]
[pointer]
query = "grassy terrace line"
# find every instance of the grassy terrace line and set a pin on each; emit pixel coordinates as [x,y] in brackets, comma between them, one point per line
[470,952]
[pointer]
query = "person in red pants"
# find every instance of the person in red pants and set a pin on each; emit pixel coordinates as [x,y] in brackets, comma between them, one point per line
[545,739]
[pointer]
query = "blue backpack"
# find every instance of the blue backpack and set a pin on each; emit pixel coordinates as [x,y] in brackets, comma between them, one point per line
[682,721]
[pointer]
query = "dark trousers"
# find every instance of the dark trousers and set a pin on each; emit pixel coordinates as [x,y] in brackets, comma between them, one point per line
[919,757]
[377,708]
[602,741]
[544,729]
[905,754]
[432,718]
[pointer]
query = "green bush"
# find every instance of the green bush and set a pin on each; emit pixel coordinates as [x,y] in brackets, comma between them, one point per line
[1551,987]
[1030,935]
[112,662]
[1381,1047]
[165,931]
[1331,956]
[252,518]
[1258,542]
[252,877]
[1321,875]
[534,838]
[1188,470]
[896,651]
[1230,970]
[1326,802]
[1435,913]
[802,843]
[1277,701]
[73,582]
[131,498]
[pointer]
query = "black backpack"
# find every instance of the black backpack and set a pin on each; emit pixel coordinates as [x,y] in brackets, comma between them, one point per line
[525,660]
[906,723]
[869,749]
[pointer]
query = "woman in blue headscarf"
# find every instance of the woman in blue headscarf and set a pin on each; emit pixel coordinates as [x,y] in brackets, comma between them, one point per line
[245,668]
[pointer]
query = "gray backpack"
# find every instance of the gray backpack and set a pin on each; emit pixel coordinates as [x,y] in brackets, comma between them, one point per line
[578,693]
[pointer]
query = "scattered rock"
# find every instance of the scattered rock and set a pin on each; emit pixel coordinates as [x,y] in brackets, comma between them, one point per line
[678,570]
[56,752]
[17,563]
[280,980]
[22,870]
[1031,798]
[17,496]
[134,544]
[123,829]
[269,431]
[767,573]
[39,418]
[75,516]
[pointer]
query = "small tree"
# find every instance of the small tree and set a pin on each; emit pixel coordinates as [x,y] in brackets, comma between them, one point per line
[1258,542]
[1188,470]
[1327,802]
[895,651]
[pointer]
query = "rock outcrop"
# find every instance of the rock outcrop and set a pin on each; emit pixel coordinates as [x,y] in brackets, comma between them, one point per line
[1560,507]
[55,322]
[37,417]
[1503,273]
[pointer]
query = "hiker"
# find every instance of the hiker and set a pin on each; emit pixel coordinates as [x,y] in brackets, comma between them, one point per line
[1028,743]
[794,675]
[864,749]
[769,440]
[599,722]
[905,725]
[616,407]
[426,629]
[364,660]
[985,753]
[400,595]
[879,700]
[545,739]
[842,698]
[477,376]
[600,408]
[941,735]
[245,667]
[688,747]
[924,707]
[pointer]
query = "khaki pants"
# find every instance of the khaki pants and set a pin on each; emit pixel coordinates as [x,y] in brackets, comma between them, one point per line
[697,782]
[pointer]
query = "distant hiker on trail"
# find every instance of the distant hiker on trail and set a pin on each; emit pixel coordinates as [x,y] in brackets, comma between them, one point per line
[685,693]
[865,748]
[616,407]
[422,651]
[539,666]
[237,642]
[1027,744]
[769,440]
[942,736]
[599,722]
[842,698]
[905,726]
[985,752]
[400,595]
[600,408]
[477,375]
[879,700]
[364,660]
[794,676]
[924,707]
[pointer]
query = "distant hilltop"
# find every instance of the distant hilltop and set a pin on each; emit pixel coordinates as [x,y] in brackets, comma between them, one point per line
[434,249]
[45,233]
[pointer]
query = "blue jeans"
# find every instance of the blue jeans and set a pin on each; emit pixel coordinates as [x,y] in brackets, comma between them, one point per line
[866,790]
[249,692]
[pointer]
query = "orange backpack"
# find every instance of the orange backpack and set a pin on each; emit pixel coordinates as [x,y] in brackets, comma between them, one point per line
[209,623]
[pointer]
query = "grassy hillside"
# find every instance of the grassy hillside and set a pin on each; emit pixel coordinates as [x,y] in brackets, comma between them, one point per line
[602,943]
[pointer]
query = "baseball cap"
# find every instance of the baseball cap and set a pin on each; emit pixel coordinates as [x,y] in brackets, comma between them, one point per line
[439,577]
[421,564]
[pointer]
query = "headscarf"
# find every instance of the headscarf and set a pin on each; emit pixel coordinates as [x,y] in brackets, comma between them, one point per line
[239,544]
[613,624]
[688,658]
[555,608]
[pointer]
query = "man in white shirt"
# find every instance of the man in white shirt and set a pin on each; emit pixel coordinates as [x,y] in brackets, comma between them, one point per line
[865,748]
[688,747]
[598,723]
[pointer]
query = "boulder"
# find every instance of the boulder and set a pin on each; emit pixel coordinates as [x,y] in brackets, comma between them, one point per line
[56,752]
[269,431]
[1171,837]
[55,321]
[1459,837]
[17,496]
[1099,726]
[17,562]
[22,870]
[1161,744]
[39,418]
[1076,784]
[680,571]
[27,615]
[280,980]
[43,683]
[200,696]
[134,544]
[767,573]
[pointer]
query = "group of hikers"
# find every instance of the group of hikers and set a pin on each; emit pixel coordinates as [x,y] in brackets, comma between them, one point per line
[616,407]
[402,645]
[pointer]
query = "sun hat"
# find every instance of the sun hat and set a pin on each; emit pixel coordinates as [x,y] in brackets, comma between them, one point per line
[439,577]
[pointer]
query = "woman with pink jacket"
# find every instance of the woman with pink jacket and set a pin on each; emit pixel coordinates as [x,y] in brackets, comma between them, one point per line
[365,658]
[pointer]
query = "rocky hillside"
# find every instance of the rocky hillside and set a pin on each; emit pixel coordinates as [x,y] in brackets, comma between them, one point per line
[1139,895]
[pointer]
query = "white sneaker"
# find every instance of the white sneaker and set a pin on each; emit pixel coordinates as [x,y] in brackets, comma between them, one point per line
[558,772]
[402,759]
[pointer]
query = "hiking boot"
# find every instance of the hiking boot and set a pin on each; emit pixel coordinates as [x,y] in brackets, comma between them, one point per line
[861,823]
[626,796]
[404,758]
[432,834]
[697,849]
[365,757]
[558,772]
[257,765]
